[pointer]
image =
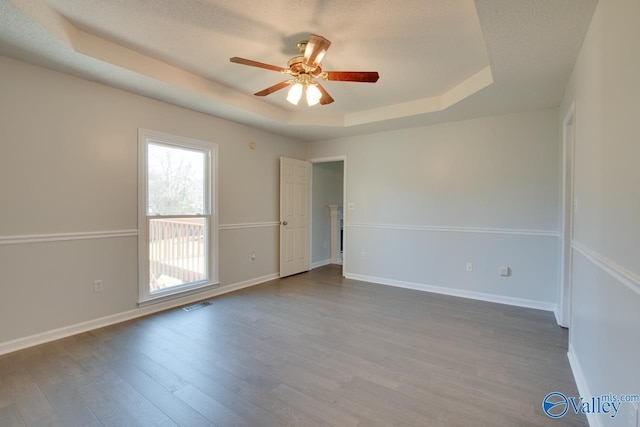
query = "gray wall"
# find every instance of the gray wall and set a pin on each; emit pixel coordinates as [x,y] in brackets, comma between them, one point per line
[428,200]
[68,164]
[605,322]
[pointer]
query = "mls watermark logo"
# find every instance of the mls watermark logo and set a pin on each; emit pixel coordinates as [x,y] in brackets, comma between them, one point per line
[556,404]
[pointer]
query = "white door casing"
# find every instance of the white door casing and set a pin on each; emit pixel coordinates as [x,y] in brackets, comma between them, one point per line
[568,212]
[295,218]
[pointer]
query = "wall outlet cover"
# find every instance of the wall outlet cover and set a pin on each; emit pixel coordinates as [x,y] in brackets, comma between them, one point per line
[97,286]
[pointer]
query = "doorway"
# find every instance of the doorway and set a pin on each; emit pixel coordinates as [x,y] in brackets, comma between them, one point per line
[328,195]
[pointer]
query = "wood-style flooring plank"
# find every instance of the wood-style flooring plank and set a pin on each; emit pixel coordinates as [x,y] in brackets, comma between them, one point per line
[130,400]
[178,411]
[313,349]
[69,407]
[210,408]
[10,416]
[105,407]
[332,415]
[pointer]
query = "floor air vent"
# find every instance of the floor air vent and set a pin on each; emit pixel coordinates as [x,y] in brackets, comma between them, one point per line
[196,306]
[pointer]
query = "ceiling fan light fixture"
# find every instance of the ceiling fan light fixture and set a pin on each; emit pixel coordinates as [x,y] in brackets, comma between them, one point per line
[320,56]
[306,67]
[295,93]
[313,94]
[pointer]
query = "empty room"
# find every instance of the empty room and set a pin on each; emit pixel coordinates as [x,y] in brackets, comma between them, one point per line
[319,213]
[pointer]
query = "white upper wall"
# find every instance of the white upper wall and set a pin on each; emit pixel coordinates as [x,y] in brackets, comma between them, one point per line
[494,172]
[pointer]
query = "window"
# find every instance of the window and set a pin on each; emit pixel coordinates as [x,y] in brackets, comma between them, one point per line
[177,222]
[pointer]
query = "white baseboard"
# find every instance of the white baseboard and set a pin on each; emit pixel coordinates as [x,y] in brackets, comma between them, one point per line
[320,263]
[556,314]
[66,331]
[518,302]
[581,383]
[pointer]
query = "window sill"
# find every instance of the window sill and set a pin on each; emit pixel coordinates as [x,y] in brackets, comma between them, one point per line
[178,293]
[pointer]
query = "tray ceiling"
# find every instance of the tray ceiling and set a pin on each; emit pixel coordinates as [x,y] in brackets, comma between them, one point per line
[438,60]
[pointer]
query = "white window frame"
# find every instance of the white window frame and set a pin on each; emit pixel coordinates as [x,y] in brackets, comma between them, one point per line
[145,137]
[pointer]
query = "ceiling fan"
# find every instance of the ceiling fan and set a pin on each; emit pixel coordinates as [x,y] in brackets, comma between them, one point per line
[304,69]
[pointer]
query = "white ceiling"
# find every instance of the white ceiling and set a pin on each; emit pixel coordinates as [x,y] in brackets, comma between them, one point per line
[439,60]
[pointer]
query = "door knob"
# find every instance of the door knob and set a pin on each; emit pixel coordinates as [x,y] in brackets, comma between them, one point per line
[285,223]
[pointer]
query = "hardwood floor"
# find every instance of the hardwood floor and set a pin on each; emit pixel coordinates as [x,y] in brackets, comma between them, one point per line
[309,350]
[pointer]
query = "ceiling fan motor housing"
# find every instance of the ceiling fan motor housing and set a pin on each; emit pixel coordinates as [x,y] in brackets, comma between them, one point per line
[296,66]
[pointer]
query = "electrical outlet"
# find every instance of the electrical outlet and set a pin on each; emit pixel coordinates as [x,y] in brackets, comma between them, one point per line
[468,266]
[252,257]
[363,255]
[505,271]
[634,415]
[97,286]
[351,206]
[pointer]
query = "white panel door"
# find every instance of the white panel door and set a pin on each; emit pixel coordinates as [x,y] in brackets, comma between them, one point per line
[295,219]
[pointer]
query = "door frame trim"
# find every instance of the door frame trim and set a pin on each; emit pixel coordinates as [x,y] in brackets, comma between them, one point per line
[567,216]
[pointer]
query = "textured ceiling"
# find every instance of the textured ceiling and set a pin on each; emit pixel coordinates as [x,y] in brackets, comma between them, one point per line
[438,60]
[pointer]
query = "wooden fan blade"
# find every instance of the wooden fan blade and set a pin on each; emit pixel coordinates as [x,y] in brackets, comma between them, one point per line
[251,63]
[273,88]
[353,76]
[326,98]
[314,52]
